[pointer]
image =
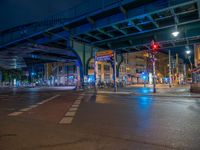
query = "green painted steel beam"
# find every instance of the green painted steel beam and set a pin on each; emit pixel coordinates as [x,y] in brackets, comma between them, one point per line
[153,21]
[191,30]
[116,28]
[103,32]
[93,36]
[184,26]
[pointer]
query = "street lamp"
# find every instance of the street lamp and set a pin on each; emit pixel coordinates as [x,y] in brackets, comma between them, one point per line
[175,33]
[188,52]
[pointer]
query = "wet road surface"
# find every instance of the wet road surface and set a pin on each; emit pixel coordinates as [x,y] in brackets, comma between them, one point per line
[99,122]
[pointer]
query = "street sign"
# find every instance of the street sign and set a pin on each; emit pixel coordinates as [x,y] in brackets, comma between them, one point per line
[104,55]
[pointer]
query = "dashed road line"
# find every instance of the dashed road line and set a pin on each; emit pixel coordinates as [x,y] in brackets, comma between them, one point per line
[15,113]
[67,119]
[70,113]
[32,106]
[25,109]
[40,103]
[73,109]
[75,105]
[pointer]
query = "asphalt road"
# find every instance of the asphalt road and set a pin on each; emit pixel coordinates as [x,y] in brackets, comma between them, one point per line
[60,119]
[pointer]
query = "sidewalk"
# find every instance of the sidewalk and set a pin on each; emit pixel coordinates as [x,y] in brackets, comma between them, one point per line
[162,90]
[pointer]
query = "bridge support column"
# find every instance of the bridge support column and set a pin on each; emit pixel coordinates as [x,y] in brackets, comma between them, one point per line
[84,53]
[120,59]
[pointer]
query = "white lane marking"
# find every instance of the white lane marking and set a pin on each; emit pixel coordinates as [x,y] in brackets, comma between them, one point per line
[47,100]
[70,114]
[75,105]
[25,109]
[32,106]
[66,120]
[15,113]
[73,109]
[40,103]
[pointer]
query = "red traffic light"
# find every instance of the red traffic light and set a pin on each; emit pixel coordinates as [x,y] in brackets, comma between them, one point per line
[154,47]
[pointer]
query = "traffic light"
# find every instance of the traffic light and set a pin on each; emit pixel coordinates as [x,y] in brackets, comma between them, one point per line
[154,47]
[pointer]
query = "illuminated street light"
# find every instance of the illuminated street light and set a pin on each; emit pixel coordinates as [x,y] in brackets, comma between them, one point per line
[176,32]
[188,52]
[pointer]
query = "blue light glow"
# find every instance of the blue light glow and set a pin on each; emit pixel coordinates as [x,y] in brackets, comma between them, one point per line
[91,78]
[144,76]
[130,24]
[33,73]
[145,102]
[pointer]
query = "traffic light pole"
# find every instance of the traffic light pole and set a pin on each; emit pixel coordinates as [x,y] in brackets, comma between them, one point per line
[154,74]
[114,72]
[95,73]
[154,50]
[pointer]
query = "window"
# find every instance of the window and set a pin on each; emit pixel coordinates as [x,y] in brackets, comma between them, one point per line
[106,68]
[99,67]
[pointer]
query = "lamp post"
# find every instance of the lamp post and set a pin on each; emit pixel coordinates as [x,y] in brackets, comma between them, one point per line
[188,56]
[188,52]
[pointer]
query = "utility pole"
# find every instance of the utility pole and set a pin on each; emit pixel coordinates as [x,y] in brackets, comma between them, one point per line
[154,50]
[154,74]
[170,73]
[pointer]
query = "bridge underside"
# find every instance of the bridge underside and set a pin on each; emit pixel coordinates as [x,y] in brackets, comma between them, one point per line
[25,55]
[126,26]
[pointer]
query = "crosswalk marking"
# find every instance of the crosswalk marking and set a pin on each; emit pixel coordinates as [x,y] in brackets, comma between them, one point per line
[73,109]
[69,113]
[66,120]
[75,105]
